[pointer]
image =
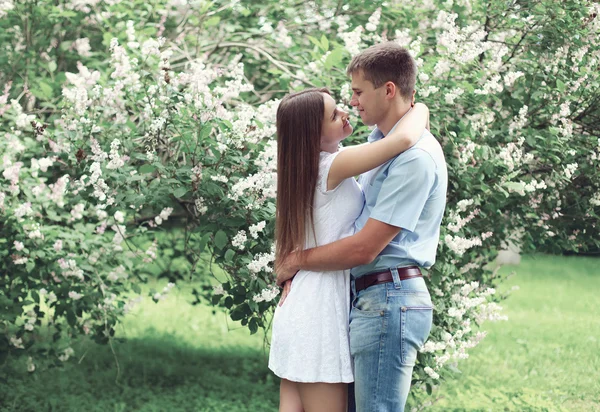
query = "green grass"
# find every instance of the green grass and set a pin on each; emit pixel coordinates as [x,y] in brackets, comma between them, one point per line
[547,355]
[177,357]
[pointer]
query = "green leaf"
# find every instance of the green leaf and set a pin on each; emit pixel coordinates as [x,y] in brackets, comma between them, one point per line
[147,168]
[179,192]
[52,66]
[560,85]
[334,58]
[205,132]
[203,241]
[220,239]
[29,266]
[229,255]
[46,90]
[314,41]
[324,43]
[213,21]
[253,326]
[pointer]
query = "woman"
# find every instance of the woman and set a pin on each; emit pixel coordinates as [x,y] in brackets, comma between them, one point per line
[318,201]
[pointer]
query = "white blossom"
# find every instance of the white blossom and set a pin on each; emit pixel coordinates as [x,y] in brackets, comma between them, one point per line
[257,228]
[239,240]
[431,372]
[267,294]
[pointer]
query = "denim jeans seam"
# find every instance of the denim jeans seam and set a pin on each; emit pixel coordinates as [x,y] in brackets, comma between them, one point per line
[381,355]
[403,318]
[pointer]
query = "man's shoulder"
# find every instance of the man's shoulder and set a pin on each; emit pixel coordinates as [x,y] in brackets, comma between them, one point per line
[427,151]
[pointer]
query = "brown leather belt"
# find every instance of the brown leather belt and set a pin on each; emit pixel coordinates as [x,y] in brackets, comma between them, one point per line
[377,278]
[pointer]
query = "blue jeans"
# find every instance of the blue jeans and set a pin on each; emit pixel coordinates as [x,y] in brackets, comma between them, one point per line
[388,324]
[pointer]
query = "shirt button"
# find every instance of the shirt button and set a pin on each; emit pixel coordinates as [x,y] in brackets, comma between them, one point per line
[403,308]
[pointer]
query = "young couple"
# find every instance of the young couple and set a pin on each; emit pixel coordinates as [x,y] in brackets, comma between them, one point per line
[334,326]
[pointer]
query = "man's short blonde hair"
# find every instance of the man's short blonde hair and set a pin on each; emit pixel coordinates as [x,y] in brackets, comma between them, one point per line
[387,62]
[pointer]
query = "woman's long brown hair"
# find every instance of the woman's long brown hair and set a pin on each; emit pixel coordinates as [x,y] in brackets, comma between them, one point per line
[299,122]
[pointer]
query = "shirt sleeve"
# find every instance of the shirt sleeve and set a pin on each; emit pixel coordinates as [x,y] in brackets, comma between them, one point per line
[325,161]
[405,190]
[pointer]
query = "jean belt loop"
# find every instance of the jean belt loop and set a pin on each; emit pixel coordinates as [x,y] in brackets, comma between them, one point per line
[396,276]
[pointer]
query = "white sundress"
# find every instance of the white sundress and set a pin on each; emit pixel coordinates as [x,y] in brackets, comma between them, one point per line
[310,341]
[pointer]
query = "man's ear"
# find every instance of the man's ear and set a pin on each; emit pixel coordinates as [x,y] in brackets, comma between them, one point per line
[390,90]
[412,103]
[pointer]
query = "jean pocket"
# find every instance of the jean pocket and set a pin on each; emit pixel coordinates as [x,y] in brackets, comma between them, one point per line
[371,301]
[366,328]
[414,330]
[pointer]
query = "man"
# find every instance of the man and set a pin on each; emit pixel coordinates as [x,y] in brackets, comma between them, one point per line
[397,233]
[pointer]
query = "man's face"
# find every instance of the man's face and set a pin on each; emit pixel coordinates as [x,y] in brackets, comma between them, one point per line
[370,102]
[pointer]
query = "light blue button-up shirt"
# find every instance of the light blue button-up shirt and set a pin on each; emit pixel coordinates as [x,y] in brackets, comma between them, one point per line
[409,192]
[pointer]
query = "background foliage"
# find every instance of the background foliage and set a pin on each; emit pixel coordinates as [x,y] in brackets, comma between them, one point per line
[138,143]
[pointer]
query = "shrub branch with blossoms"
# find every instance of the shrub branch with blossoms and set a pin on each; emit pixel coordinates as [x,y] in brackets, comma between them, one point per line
[174,134]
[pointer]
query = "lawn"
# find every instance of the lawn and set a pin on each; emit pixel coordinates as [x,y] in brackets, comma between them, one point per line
[547,356]
[177,357]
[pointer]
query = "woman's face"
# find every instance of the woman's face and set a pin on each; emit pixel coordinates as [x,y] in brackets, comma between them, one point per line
[336,126]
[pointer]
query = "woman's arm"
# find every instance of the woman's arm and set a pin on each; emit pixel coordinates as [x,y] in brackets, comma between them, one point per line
[359,159]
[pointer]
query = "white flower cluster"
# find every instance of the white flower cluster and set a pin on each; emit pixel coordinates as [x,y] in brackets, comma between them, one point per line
[239,240]
[67,353]
[164,215]
[58,190]
[460,245]
[353,40]
[22,120]
[51,297]
[82,47]
[162,295]
[261,263]
[460,44]
[519,122]
[259,187]
[70,269]
[124,66]
[466,151]
[116,160]
[267,294]
[40,164]
[511,77]
[457,222]
[469,301]
[199,206]
[481,120]
[595,200]
[151,252]
[257,228]
[453,94]
[570,170]
[77,211]
[5,7]
[118,273]
[374,20]
[402,37]
[491,86]
[17,342]
[30,322]
[281,36]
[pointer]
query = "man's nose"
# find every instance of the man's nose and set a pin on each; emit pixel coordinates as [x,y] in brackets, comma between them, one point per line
[354,101]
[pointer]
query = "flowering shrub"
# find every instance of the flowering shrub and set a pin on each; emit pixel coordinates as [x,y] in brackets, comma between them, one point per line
[167,128]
